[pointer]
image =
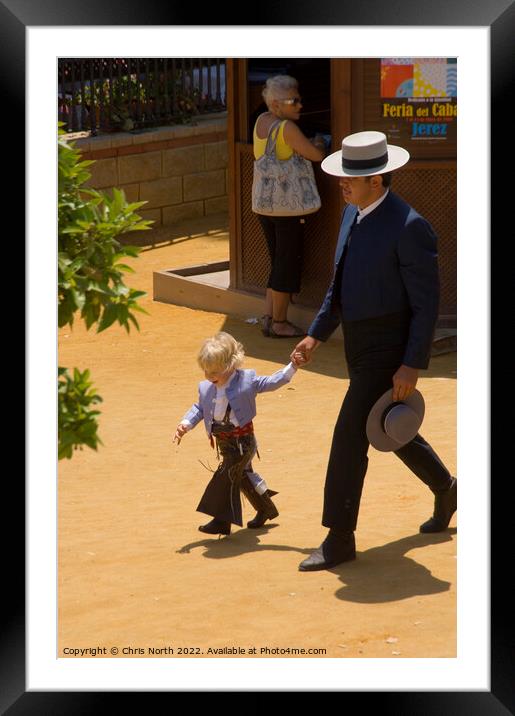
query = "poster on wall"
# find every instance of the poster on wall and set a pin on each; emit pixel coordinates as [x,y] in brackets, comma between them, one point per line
[422,93]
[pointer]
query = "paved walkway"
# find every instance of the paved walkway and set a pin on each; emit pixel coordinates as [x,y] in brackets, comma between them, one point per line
[135,571]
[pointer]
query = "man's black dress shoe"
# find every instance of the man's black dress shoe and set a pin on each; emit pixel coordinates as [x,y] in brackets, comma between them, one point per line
[336,548]
[216,527]
[445,506]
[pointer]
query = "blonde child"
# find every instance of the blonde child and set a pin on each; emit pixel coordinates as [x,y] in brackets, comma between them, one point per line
[227,405]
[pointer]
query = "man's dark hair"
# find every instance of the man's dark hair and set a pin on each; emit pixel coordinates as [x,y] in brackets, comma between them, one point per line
[387,179]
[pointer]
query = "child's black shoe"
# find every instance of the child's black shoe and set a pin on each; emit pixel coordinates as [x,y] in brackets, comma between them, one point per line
[266,511]
[216,527]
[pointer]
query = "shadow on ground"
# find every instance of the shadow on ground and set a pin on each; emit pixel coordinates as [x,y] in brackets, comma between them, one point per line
[212,227]
[378,575]
[386,574]
[241,541]
[329,358]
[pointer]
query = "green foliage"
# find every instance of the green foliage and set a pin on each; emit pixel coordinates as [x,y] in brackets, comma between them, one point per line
[90,267]
[128,102]
[90,279]
[77,419]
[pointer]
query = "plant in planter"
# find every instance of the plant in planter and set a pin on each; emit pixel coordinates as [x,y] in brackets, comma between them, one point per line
[120,116]
[187,108]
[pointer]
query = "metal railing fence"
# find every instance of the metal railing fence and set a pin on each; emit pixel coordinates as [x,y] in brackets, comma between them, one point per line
[126,94]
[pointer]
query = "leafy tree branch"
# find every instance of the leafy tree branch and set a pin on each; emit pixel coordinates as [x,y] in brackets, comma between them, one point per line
[91,284]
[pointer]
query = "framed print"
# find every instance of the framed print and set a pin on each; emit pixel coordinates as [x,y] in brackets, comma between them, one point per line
[36,676]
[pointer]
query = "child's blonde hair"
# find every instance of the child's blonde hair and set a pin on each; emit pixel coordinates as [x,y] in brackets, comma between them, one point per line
[222,351]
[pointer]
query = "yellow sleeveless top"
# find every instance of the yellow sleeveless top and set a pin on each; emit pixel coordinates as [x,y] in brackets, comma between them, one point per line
[282,150]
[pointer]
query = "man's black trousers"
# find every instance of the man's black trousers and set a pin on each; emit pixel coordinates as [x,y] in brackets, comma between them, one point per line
[374,351]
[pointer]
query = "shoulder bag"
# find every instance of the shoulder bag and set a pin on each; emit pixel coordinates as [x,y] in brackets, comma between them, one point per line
[283,187]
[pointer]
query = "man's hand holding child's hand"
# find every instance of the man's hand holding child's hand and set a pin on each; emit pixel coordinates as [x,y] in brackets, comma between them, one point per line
[302,353]
[298,359]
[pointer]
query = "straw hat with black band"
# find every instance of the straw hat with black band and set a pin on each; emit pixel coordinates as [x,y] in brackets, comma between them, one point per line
[391,425]
[364,154]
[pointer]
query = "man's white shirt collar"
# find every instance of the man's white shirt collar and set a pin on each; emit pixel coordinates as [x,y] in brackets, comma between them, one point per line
[368,209]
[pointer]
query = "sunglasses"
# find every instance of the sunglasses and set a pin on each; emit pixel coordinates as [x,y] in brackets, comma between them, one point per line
[291,100]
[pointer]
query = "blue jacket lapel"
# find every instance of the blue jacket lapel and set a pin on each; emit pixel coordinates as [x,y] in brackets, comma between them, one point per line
[348,219]
[232,388]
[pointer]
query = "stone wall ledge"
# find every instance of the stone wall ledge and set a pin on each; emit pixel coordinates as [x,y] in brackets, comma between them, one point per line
[201,125]
[180,171]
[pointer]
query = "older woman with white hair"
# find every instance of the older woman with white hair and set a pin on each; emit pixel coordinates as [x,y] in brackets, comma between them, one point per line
[284,234]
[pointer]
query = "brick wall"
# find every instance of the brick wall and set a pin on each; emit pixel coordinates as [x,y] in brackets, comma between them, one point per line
[180,171]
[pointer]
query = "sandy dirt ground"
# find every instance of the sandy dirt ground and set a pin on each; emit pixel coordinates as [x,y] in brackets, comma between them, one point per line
[135,573]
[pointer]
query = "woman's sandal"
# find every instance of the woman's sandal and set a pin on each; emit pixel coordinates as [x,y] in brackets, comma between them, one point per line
[266,324]
[297,331]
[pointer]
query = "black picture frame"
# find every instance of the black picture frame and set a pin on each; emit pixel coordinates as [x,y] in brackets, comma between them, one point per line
[499,16]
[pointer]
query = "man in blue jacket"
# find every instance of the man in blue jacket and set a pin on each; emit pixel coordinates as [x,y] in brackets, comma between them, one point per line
[385,294]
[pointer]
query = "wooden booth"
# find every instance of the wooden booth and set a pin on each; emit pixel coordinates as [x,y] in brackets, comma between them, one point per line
[413,101]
